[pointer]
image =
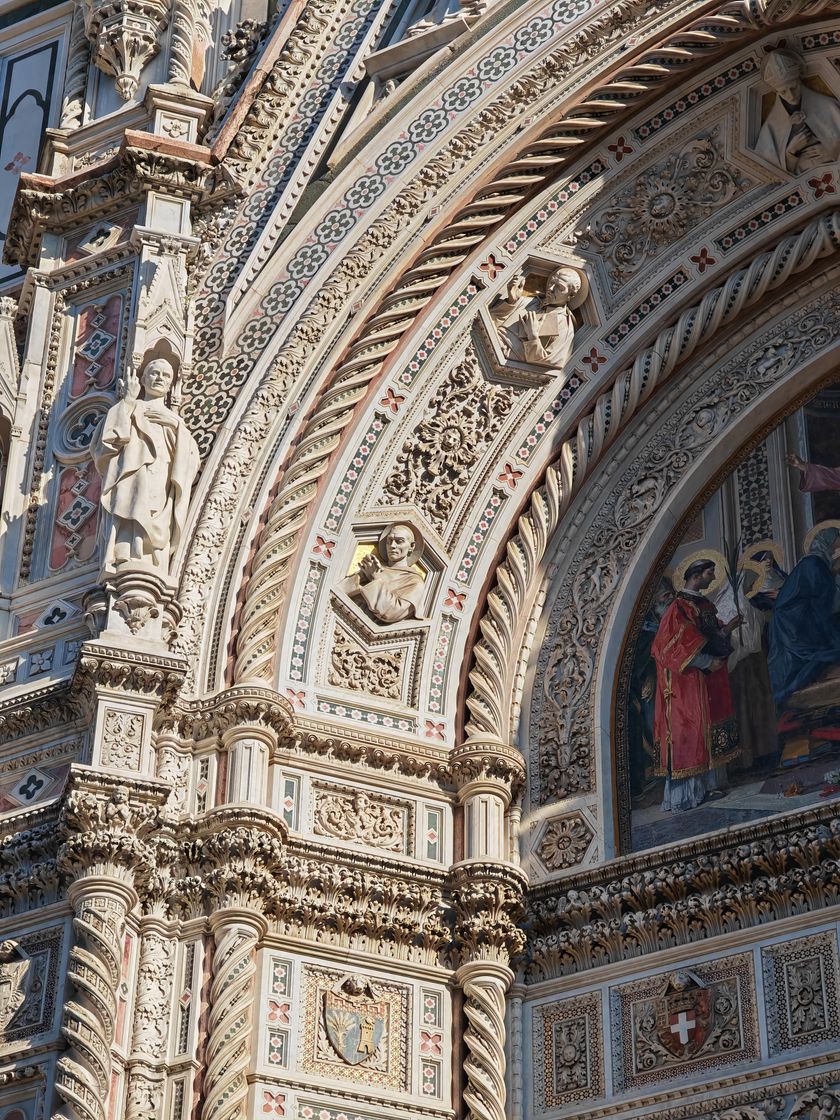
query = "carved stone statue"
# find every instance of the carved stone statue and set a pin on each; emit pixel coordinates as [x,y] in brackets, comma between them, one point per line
[148,461]
[802,128]
[385,584]
[536,328]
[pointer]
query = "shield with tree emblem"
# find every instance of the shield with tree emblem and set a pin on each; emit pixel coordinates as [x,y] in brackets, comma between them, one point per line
[355,1020]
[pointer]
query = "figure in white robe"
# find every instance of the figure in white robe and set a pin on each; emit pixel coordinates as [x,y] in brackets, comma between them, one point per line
[540,329]
[802,129]
[386,585]
[148,461]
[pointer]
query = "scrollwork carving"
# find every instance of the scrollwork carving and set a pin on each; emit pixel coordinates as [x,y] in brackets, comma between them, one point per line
[378,674]
[376,821]
[459,423]
[662,204]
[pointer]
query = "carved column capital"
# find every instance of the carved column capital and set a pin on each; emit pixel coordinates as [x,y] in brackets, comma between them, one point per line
[489,903]
[483,764]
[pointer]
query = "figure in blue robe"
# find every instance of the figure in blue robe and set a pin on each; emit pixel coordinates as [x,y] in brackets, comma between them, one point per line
[804,632]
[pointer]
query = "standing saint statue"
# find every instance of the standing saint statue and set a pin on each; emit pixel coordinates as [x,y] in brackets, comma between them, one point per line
[385,584]
[802,129]
[148,461]
[540,329]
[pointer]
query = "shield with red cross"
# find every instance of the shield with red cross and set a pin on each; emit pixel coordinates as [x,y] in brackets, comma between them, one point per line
[684,1016]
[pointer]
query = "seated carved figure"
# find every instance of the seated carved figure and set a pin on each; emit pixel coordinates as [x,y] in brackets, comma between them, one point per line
[540,329]
[385,584]
[802,129]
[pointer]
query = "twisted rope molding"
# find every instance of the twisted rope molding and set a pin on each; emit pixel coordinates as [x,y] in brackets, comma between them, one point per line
[83,1076]
[541,160]
[231,999]
[484,1064]
[496,664]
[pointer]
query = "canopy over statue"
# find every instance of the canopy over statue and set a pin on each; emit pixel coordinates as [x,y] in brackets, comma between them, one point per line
[148,461]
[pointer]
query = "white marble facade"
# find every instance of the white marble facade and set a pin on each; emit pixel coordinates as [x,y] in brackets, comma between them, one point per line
[364,371]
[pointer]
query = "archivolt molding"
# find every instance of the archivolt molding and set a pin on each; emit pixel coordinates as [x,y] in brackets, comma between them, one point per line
[383,331]
[492,679]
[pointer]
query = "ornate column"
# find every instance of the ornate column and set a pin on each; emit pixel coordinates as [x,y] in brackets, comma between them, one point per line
[239,859]
[253,721]
[249,749]
[146,1063]
[488,893]
[236,934]
[102,851]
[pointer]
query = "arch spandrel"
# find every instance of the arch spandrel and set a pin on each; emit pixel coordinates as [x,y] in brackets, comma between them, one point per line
[251,430]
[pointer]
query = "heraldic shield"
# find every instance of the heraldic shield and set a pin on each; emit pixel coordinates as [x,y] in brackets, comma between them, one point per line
[356,1020]
[684,1015]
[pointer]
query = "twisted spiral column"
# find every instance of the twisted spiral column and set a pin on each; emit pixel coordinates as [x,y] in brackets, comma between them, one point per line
[83,1074]
[237,934]
[484,984]
[75,81]
[189,23]
[489,700]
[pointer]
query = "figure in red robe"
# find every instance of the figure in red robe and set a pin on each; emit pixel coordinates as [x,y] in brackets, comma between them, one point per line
[695,729]
[815,478]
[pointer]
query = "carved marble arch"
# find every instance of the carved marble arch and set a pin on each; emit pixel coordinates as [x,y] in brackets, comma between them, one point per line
[340,341]
[628,517]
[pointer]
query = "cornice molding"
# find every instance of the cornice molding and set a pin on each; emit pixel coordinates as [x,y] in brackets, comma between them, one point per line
[639,905]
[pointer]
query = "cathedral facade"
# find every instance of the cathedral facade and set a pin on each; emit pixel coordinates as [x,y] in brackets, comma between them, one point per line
[420,560]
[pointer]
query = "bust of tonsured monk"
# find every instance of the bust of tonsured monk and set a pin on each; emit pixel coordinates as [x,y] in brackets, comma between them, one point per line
[385,584]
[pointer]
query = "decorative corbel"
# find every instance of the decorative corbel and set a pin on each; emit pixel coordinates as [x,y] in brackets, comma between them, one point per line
[125,36]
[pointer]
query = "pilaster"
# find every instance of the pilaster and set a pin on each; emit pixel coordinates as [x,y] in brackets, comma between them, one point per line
[488,897]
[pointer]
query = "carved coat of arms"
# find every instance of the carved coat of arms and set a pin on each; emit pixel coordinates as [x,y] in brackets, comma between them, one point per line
[684,1015]
[356,1020]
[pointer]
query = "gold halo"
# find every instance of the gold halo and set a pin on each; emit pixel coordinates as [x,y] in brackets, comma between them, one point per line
[818,528]
[580,298]
[770,546]
[721,568]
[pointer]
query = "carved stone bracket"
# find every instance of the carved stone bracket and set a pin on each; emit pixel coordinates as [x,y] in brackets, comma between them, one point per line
[125,37]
